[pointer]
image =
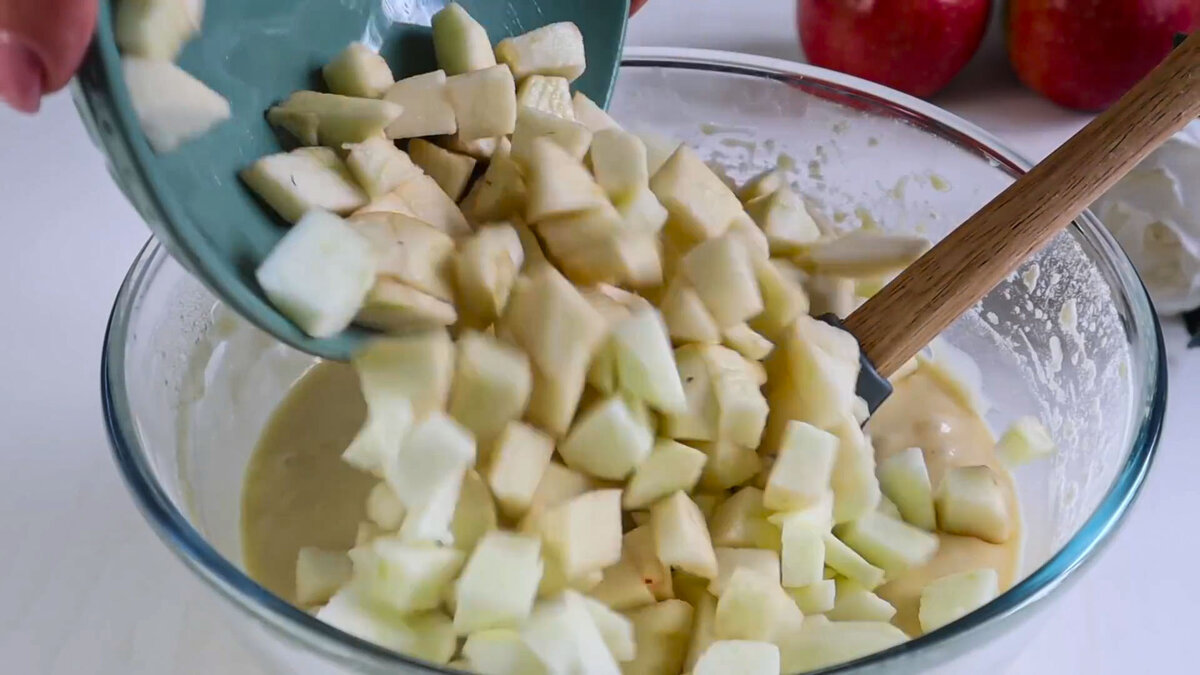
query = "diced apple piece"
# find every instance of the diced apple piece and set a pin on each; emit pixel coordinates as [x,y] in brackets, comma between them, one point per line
[499,194]
[747,657]
[533,123]
[584,533]
[404,577]
[518,459]
[379,166]
[728,465]
[803,553]
[746,232]
[319,274]
[615,629]
[645,363]
[825,644]
[864,254]
[475,513]
[954,596]
[741,408]
[890,544]
[607,441]
[431,204]
[565,638]
[388,203]
[904,478]
[319,574]
[704,618]
[818,515]
[618,160]
[640,211]
[558,184]
[500,652]
[622,587]
[450,170]
[294,183]
[384,508]
[847,562]
[460,42]
[558,485]
[755,607]
[640,578]
[485,270]
[499,583]
[784,219]
[172,106]
[816,598]
[427,110]
[358,71]
[389,417]
[741,522]
[888,508]
[696,198]
[783,298]
[722,274]
[428,635]
[409,251]
[484,102]
[591,247]
[339,119]
[742,339]
[855,487]
[554,400]
[430,523]
[822,365]
[681,536]
[155,29]
[549,94]
[803,468]
[661,632]
[688,320]
[492,382]
[971,502]
[591,115]
[762,185]
[438,450]
[1025,441]
[396,308]
[555,49]
[855,603]
[729,560]
[670,467]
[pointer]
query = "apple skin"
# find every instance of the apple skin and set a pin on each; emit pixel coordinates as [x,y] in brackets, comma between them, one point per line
[1085,54]
[916,46]
[635,5]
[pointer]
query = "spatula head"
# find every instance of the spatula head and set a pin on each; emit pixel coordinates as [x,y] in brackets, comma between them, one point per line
[255,53]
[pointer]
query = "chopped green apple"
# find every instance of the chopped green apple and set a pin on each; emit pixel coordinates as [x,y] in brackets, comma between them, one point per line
[847,562]
[430,522]
[762,185]
[533,123]
[803,468]
[404,577]
[723,275]
[825,644]
[384,508]
[475,513]
[803,553]
[388,203]
[500,652]
[319,274]
[618,160]
[762,561]
[681,536]
[755,607]
[669,467]
[320,573]
[641,211]
[747,657]
[742,339]
[460,42]
[818,515]
[890,544]
[485,270]
[745,230]
[154,29]
[484,102]
[555,49]
[698,201]
[785,220]
[591,115]
[557,485]
[741,522]
[970,501]
[741,408]
[519,457]
[557,183]
[728,464]
[379,166]
[688,320]
[645,363]
[608,441]
[816,598]
[492,382]
[339,119]
[396,308]
[551,94]
[499,583]
[450,170]
[639,546]
[622,587]
[584,533]
[309,179]
[409,251]
[954,596]
[388,421]
[855,487]
[554,400]
[436,451]
[427,110]
[431,204]
[358,71]
[427,635]
[783,298]
[565,638]
[1025,441]
[590,248]
[704,618]
[821,365]
[864,254]
[904,478]
[615,628]
[855,603]
[661,632]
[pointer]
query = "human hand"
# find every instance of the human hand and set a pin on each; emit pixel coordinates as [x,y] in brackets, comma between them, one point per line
[41,45]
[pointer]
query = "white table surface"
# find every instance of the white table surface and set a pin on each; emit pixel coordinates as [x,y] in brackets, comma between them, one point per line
[85,587]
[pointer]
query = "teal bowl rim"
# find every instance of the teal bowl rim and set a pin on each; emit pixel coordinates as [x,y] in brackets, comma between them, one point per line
[189,544]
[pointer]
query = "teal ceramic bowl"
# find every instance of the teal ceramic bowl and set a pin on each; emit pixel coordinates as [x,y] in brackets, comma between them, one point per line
[256,53]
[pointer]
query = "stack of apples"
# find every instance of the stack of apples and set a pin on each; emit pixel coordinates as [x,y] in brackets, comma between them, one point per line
[1080,54]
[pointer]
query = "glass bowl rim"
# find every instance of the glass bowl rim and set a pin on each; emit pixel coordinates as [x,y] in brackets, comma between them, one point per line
[173,527]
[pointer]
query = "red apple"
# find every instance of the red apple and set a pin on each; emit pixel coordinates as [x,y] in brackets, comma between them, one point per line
[915,46]
[635,5]
[1085,53]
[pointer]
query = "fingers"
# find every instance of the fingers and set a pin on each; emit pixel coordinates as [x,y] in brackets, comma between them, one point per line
[41,45]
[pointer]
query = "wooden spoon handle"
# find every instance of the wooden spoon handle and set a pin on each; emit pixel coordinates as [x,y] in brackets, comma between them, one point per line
[956,273]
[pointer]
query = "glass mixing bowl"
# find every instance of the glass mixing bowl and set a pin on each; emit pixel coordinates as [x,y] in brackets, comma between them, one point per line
[1072,338]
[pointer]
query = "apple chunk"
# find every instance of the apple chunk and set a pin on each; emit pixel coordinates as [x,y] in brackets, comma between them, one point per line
[661,632]
[722,273]
[696,198]
[427,110]
[484,102]
[688,320]
[319,274]
[519,457]
[741,521]
[555,49]
[584,533]
[426,635]
[384,508]
[803,468]
[450,170]
[855,603]
[491,387]
[815,598]
[1025,441]
[533,123]
[904,478]
[669,467]
[438,450]
[591,115]
[550,94]
[155,29]
[558,184]
[607,441]
[460,42]
[485,270]
[615,629]
[358,71]
[890,544]
[970,501]
[729,560]
[404,577]
[172,106]
[500,652]
[827,644]
[379,166]
[409,251]
[618,161]
[645,363]
[681,536]
[320,573]
[307,179]
[951,597]
[417,368]
[755,607]
[747,657]
[338,119]
[565,638]
[847,562]
[803,554]
[499,583]
[396,308]
[784,219]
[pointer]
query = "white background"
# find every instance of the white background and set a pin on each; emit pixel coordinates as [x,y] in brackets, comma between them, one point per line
[85,587]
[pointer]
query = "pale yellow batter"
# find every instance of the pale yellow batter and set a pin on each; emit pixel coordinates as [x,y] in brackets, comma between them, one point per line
[299,493]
